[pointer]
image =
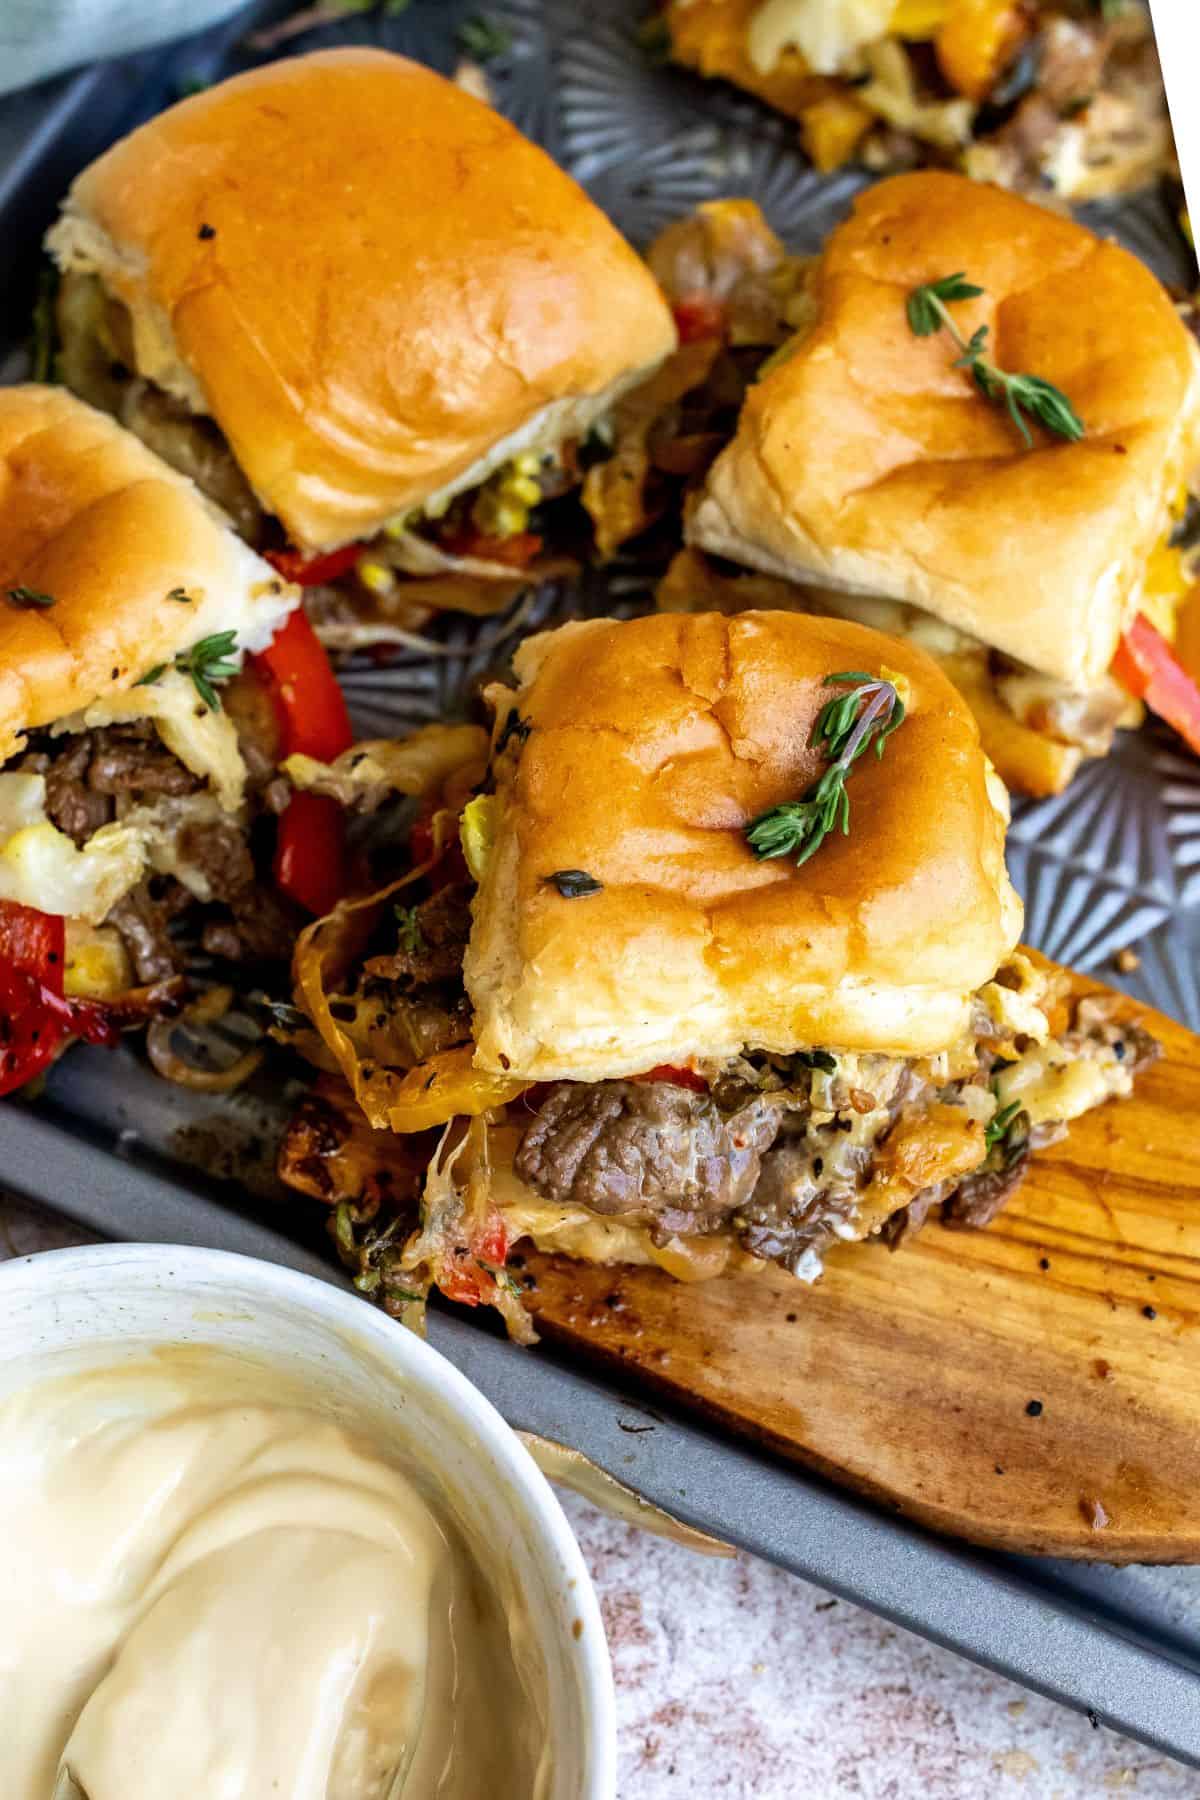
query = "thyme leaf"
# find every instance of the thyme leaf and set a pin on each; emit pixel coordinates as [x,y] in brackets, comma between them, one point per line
[1024,396]
[27,599]
[514,727]
[206,662]
[997,1128]
[868,713]
[574,884]
[408,930]
[816,1059]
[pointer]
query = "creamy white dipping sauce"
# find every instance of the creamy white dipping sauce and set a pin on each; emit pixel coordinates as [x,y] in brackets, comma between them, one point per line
[210,1590]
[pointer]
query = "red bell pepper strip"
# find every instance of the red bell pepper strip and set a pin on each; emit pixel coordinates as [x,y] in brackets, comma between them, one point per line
[310,849]
[34,1016]
[310,852]
[467,1276]
[678,1077]
[516,551]
[314,571]
[313,720]
[699,316]
[1146,665]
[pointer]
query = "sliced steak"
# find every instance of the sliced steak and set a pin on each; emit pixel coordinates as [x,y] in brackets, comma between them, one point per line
[71,803]
[646,1147]
[143,919]
[86,771]
[806,1191]
[132,759]
[219,851]
[260,927]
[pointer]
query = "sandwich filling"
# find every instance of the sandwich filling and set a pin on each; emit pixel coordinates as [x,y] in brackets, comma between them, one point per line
[1059,94]
[136,845]
[471,547]
[763,1157]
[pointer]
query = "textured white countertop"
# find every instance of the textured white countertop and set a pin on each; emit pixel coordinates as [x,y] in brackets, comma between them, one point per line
[738,1682]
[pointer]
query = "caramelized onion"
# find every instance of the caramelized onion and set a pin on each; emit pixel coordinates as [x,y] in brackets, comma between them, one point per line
[207,1010]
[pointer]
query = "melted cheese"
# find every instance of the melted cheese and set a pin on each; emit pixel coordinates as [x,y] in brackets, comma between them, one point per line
[97,963]
[38,861]
[1055,1085]
[827,33]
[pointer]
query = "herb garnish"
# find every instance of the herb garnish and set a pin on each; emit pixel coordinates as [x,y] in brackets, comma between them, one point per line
[181,595]
[27,599]
[483,38]
[514,727]
[408,930]
[997,1129]
[871,711]
[1021,394]
[574,884]
[206,662]
[816,1059]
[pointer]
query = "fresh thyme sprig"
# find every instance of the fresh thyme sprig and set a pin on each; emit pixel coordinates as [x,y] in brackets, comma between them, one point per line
[997,1129]
[206,662]
[1021,394]
[868,713]
[408,930]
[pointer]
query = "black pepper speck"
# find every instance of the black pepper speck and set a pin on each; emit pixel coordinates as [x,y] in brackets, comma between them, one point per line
[1034,1409]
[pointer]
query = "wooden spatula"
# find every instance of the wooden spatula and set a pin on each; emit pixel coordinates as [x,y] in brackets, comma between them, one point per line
[1034,1386]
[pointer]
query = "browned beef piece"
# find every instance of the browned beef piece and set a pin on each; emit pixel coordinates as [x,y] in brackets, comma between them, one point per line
[143,919]
[87,770]
[648,1147]
[805,1190]
[132,759]
[260,928]
[219,850]
[443,925]
[72,805]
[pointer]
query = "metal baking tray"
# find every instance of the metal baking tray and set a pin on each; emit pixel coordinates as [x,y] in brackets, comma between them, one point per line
[1113,864]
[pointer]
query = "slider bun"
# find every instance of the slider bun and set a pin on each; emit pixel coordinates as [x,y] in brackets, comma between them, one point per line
[651,745]
[866,460]
[90,516]
[397,281]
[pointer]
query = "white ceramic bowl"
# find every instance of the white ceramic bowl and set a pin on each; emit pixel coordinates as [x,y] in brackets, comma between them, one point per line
[106,1299]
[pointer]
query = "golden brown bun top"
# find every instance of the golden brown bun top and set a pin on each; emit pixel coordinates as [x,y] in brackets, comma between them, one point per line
[93,519]
[867,459]
[372,277]
[651,745]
